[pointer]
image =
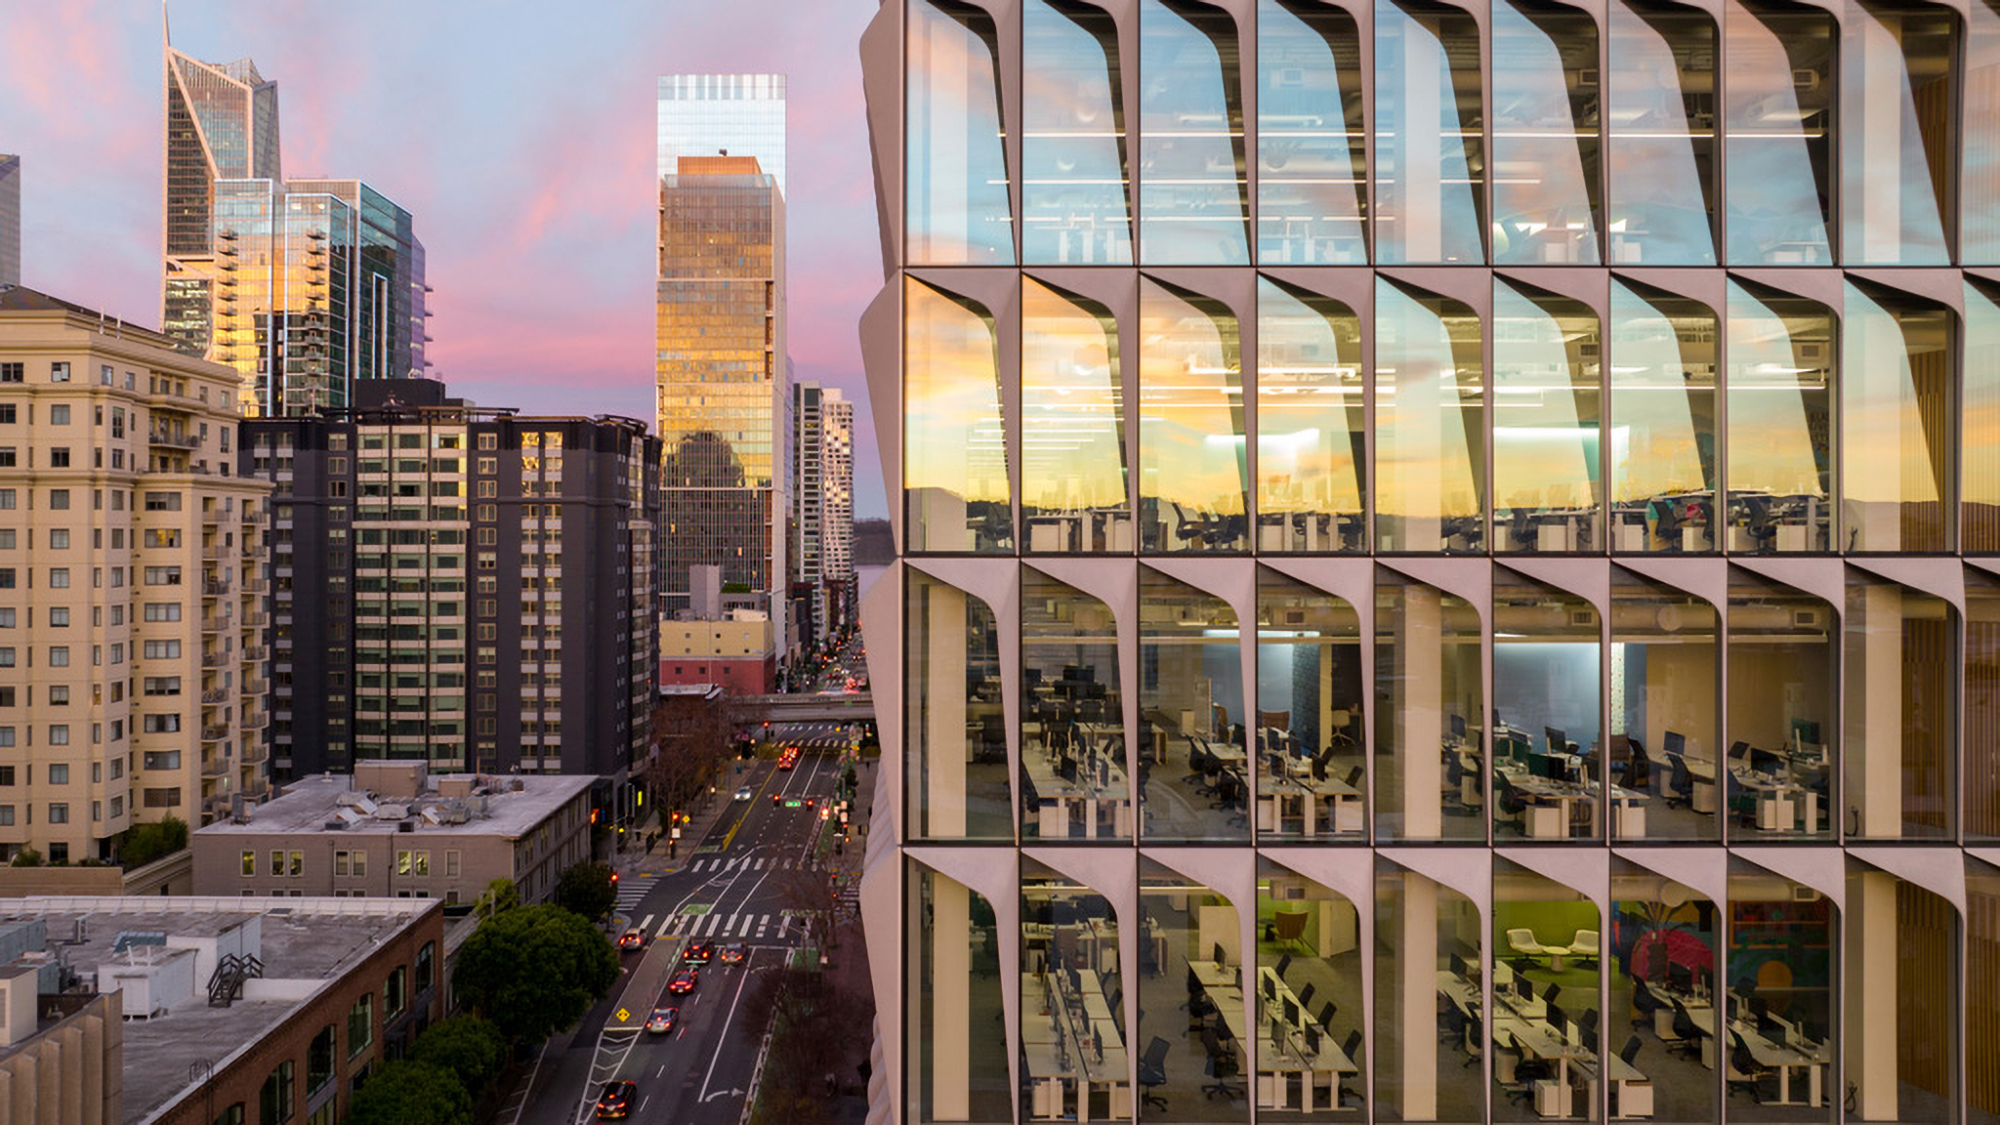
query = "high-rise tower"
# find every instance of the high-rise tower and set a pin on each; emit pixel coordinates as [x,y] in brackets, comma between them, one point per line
[10,219]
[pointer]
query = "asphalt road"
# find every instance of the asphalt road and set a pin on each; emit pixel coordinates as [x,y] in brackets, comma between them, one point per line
[730,887]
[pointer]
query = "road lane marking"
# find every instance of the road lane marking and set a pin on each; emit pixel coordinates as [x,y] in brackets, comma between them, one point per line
[723,1035]
[647,924]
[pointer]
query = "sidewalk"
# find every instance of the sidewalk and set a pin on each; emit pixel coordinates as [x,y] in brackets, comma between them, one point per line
[655,861]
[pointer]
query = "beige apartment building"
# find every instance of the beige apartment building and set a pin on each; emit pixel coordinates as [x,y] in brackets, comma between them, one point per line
[132,586]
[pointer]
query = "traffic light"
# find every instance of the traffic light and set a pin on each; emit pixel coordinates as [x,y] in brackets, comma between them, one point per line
[614,878]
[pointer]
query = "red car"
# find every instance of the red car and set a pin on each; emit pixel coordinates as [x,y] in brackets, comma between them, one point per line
[698,953]
[682,983]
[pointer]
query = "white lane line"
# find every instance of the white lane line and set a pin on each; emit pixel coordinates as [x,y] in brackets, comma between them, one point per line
[723,1035]
[647,924]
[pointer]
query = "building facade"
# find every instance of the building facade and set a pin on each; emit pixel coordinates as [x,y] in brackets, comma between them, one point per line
[723,115]
[837,510]
[1448,566]
[736,651]
[10,219]
[472,588]
[822,510]
[132,656]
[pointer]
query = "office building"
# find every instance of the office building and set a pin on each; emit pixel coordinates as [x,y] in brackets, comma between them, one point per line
[736,650]
[723,115]
[467,587]
[822,509]
[395,830]
[10,219]
[132,587]
[837,509]
[1447,561]
[191,1010]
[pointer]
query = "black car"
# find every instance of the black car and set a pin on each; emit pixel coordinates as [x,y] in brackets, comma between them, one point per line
[615,1103]
[698,953]
[683,982]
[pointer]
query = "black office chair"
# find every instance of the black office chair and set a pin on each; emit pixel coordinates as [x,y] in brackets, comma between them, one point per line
[1644,1002]
[1222,1066]
[1354,777]
[1284,963]
[1688,1034]
[1153,1072]
[1680,783]
[1451,1027]
[1326,1013]
[1744,1071]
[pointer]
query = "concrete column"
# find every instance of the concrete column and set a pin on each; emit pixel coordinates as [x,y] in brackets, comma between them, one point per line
[1877,790]
[1871,1026]
[944,711]
[1420,719]
[1417,995]
[950,998]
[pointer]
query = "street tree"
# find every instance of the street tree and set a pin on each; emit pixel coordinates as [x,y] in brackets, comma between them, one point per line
[500,894]
[467,1046]
[533,970]
[693,737]
[587,889]
[411,1093]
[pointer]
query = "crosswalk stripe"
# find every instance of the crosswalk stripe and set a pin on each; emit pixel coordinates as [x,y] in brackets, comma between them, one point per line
[648,922]
[713,921]
[760,864]
[665,925]
[744,930]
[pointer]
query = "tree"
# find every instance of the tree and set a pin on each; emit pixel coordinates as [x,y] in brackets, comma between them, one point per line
[816,1026]
[468,1047]
[410,1093]
[145,843]
[587,889]
[27,857]
[692,736]
[534,969]
[500,894]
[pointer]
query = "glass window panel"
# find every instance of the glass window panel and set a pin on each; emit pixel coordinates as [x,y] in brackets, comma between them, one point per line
[1430,160]
[957,731]
[1663,354]
[1896,123]
[959,213]
[1782,954]
[1779,118]
[1662,91]
[1980,420]
[1547,755]
[954,444]
[1073,781]
[1900,971]
[1430,425]
[1074,180]
[1545,1025]
[1979,225]
[1784,722]
[1896,416]
[1311,422]
[1545,134]
[1664,938]
[1192,476]
[1312,155]
[1982,993]
[1901,671]
[1191,959]
[1194,771]
[1428,1019]
[1309,711]
[1664,711]
[1073,1048]
[1981,738]
[1073,425]
[1309,983]
[1780,422]
[1547,490]
[1430,763]
[957,1060]
[1193,192]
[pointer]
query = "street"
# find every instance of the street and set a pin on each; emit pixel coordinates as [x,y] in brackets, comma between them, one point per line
[730,887]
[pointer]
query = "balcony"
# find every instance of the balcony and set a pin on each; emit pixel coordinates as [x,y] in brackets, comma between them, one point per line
[214,765]
[215,732]
[217,552]
[178,439]
[215,695]
[255,720]
[256,584]
[254,619]
[256,652]
[214,658]
[214,623]
[214,587]
[256,687]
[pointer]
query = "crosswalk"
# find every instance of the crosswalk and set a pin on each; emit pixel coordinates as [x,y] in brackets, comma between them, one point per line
[716,865]
[747,924]
[631,891]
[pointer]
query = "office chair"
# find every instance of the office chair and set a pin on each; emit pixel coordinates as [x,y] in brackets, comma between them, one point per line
[1452,1027]
[1584,946]
[1526,949]
[1644,1002]
[1687,1034]
[1326,1013]
[1513,810]
[1680,783]
[1475,1041]
[1744,1071]
[1284,963]
[1342,720]
[1153,1071]
[1354,777]
[1222,1066]
[1550,993]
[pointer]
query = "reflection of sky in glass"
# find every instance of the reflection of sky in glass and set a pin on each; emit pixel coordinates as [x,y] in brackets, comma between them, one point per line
[958,207]
[1541,189]
[1191,186]
[1428,409]
[1544,406]
[1073,145]
[1659,201]
[1889,207]
[1888,458]
[1311,188]
[1778,404]
[702,114]
[1775,145]
[1979,226]
[1660,417]
[1426,142]
[1072,408]
[1190,405]
[953,441]
[1309,404]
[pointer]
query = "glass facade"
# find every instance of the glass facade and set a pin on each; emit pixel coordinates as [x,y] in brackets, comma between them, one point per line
[1505,601]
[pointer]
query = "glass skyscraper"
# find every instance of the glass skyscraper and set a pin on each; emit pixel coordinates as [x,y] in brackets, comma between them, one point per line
[723,115]
[1449,561]
[10,219]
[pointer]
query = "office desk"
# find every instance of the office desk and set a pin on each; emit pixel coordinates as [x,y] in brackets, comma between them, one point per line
[1785,1059]
[1280,1060]
[1056,795]
[1060,1051]
[1783,805]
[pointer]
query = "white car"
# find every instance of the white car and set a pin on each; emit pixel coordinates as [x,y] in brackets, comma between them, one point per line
[743,792]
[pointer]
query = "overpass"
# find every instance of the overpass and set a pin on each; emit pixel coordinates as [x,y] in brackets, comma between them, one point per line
[851,707]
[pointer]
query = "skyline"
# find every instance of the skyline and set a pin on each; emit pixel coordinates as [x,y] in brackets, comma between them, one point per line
[80,101]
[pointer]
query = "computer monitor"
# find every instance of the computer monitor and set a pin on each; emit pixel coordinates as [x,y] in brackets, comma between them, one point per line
[1219,958]
[1680,978]
[1033,676]
[1673,742]
[1319,769]
[1284,963]
[1542,765]
[1312,1039]
[1457,965]
[1763,761]
[1558,742]
[1524,989]
[1270,988]
[1805,731]
[1291,1012]
[1458,726]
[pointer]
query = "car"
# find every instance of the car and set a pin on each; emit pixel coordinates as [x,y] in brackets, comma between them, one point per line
[615,1103]
[683,982]
[743,792]
[632,939]
[663,1021]
[698,953]
[733,954]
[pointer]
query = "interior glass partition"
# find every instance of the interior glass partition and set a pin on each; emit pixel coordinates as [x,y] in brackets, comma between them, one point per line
[1196,779]
[1190,983]
[1310,724]
[1546,1033]
[1430,423]
[1075,177]
[1548,750]
[1193,186]
[1311,422]
[1428,1018]
[1775,1000]
[956,494]
[1430,699]
[1896,413]
[1308,985]
[1980,735]
[1979,414]
[1073,480]
[1312,162]
[1778,113]
[1430,126]
[957,1064]
[1662,90]
[953,719]
[1979,162]
[1898,67]
[1193,469]
[1776,780]
[1661,971]
[1663,421]
[1901,668]
[1664,708]
[1547,413]
[956,183]
[1900,952]
[1982,993]
[1547,187]
[1781,437]
[1073,1045]
[1073,771]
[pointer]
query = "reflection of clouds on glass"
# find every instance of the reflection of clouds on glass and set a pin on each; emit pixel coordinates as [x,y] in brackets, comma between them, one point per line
[1778,409]
[1073,176]
[1660,209]
[1072,407]
[1312,168]
[1776,147]
[1190,403]
[1192,190]
[1429,417]
[958,207]
[1544,205]
[1309,403]
[1429,167]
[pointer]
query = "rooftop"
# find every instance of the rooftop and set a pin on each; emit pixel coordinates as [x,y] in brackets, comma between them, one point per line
[493,806]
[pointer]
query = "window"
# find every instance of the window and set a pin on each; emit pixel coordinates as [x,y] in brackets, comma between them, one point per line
[8,459]
[6,815]
[59,457]
[161,759]
[361,1024]
[160,724]
[59,577]
[249,857]
[58,656]
[297,865]
[59,414]
[451,864]
[234,1114]
[162,650]
[11,372]
[274,1101]
[360,861]
[59,812]
[59,497]
[396,993]
[319,1060]
[6,498]
[163,685]
[58,695]
[426,959]
[163,576]
[59,372]
[413,863]
[163,611]
[163,501]
[6,657]
[163,798]
[58,773]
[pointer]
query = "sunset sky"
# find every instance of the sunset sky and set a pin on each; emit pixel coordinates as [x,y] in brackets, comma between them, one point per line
[521,136]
